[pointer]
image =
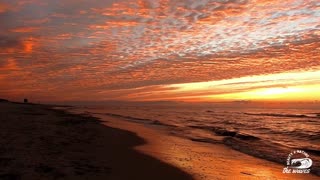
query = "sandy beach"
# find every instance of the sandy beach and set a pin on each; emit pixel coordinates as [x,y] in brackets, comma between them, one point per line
[38,142]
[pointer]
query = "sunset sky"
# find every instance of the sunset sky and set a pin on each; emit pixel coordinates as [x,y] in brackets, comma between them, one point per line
[142,50]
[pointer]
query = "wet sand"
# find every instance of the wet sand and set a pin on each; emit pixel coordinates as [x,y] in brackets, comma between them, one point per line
[37,142]
[202,160]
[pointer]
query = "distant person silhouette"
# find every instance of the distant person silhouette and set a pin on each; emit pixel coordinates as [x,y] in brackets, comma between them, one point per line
[25,100]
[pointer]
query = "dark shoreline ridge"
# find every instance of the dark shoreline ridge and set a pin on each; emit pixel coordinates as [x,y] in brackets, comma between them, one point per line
[38,142]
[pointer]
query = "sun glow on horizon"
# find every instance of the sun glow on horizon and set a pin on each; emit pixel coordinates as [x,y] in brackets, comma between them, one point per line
[292,86]
[295,93]
[277,91]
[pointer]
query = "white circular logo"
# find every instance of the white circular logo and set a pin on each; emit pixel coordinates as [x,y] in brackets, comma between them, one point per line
[298,161]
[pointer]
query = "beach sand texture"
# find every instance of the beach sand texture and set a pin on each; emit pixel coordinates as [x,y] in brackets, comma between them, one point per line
[39,143]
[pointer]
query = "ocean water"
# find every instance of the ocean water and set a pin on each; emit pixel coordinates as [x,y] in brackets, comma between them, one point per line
[264,133]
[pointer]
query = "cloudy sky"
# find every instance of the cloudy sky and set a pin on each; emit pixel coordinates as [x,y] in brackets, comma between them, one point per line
[160,50]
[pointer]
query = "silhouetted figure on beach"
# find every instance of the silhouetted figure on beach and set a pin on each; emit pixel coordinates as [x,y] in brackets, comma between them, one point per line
[25,100]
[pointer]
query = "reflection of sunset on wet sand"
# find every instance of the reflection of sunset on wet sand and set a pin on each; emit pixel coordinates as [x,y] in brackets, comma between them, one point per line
[200,160]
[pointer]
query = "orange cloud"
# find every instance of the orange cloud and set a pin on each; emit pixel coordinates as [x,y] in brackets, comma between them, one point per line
[4,7]
[25,29]
[28,45]
[133,50]
[9,65]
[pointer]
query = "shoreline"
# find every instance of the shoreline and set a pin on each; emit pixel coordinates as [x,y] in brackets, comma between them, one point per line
[241,142]
[39,142]
[202,160]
